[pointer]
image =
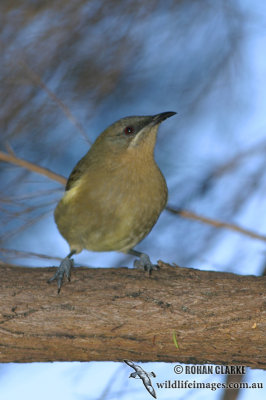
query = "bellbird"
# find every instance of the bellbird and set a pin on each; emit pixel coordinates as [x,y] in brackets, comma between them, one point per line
[115,193]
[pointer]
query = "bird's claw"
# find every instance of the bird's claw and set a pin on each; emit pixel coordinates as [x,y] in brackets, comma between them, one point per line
[63,269]
[145,263]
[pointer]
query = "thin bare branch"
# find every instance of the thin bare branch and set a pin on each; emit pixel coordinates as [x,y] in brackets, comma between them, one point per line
[26,254]
[216,223]
[9,149]
[29,196]
[37,80]
[10,158]
[29,223]
[181,212]
[236,159]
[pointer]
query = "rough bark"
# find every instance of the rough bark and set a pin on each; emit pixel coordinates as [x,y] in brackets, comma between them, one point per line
[113,314]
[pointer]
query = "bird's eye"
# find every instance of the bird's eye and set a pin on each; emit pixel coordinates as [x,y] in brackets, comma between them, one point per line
[129,130]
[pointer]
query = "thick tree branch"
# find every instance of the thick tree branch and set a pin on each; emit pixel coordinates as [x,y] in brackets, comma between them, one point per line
[112,314]
[12,158]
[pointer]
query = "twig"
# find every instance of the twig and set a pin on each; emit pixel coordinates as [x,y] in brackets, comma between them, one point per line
[217,224]
[10,158]
[26,254]
[29,196]
[30,222]
[233,161]
[37,79]
[182,213]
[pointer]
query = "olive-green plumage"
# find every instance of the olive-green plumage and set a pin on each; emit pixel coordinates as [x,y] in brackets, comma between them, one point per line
[116,192]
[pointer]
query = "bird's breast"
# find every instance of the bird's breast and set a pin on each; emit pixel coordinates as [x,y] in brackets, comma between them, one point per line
[112,208]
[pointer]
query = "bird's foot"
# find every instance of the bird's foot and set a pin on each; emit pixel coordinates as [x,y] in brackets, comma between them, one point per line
[63,269]
[145,263]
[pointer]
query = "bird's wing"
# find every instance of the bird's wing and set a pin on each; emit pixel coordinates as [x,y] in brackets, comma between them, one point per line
[77,172]
[137,368]
[130,363]
[149,387]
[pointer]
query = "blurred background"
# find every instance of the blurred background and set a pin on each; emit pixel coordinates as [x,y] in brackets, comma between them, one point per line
[68,70]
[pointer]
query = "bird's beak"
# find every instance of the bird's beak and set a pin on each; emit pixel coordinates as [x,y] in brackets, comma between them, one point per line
[158,118]
[148,126]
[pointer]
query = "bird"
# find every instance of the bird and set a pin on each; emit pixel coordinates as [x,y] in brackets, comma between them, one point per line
[143,375]
[115,193]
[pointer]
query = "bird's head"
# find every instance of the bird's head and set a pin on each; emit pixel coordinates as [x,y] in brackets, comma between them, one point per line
[131,133]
